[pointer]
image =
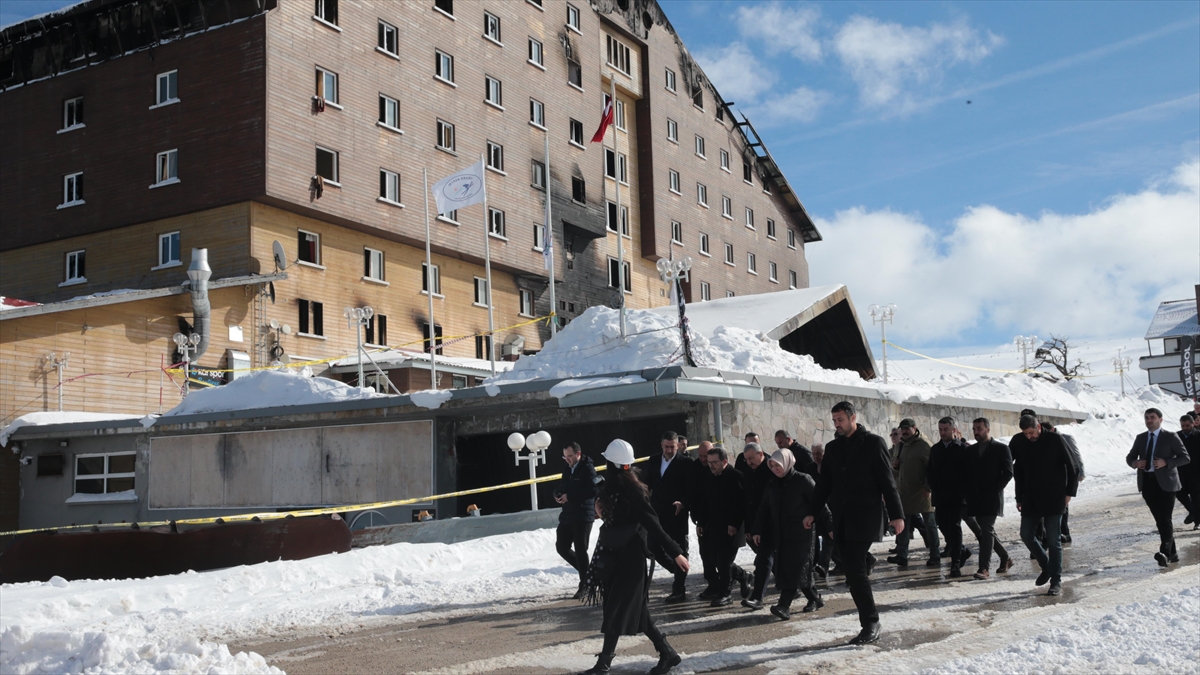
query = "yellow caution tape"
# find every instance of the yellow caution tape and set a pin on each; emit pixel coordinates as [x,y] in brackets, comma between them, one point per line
[279,515]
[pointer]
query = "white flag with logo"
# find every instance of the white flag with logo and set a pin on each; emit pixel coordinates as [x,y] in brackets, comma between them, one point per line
[548,250]
[459,189]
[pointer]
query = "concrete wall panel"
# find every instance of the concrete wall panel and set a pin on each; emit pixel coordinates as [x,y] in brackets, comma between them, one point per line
[296,466]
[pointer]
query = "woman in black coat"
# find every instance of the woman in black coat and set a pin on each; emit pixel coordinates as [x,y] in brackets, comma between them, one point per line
[788,499]
[618,575]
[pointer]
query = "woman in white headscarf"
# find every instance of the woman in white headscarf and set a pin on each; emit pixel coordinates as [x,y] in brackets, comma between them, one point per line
[787,501]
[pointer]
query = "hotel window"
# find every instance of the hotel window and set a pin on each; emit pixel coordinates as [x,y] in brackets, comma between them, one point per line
[700,146]
[327,165]
[491,27]
[729,294]
[327,11]
[168,249]
[75,271]
[388,41]
[720,112]
[698,97]
[672,130]
[167,167]
[747,173]
[618,114]
[578,190]
[168,88]
[535,53]
[705,291]
[72,189]
[537,172]
[445,132]
[376,334]
[495,156]
[449,216]
[577,132]
[308,249]
[389,112]
[444,66]
[729,254]
[104,474]
[676,232]
[750,218]
[791,238]
[701,194]
[425,279]
[614,277]
[616,164]
[389,186]
[575,74]
[526,303]
[774,272]
[495,222]
[327,85]
[481,292]
[372,265]
[537,113]
[770,228]
[573,18]
[704,244]
[610,219]
[493,94]
[751,263]
[725,160]
[791,278]
[670,84]
[483,347]
[539,237]
[444,6]
[72,113]
[617,54]
[312,317]
[673,180]
[726,207]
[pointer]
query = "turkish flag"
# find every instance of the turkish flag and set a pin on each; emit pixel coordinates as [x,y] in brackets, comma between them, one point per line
[605,121]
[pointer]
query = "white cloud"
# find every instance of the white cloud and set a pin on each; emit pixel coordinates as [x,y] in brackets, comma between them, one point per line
[887,60]
[737,74]
[801,105]
[782,28]
[1092,275]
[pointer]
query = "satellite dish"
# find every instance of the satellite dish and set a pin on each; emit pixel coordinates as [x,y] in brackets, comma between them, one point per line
[271,291]
[280,259]
[285,359]
[286,329]
[274,324]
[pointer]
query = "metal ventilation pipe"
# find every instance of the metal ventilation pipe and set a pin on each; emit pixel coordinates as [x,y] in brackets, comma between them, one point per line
[199,273]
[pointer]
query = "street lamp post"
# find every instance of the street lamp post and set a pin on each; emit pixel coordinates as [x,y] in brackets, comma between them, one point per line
[1026,343]
[1121,364]
[671,272]
[186,344]
[356,318]
[882,315]
[536,444]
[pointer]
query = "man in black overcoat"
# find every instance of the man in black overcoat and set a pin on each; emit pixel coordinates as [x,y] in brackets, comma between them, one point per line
[1046,481]
[947,484]
[989,469]
[1189,474]
[577,495]
[856,482]
[720,515]
[669,476]
[755,477]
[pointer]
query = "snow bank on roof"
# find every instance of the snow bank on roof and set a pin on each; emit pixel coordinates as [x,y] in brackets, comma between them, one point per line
[269,389]
[42,419]
[399,356]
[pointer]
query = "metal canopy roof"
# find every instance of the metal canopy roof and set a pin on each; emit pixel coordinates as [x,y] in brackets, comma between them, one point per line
[1174,318]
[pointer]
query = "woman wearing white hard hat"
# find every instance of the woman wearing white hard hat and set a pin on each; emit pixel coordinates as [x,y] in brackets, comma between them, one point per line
[618,576]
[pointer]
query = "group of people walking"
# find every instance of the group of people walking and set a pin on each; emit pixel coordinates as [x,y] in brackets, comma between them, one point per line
[811,514]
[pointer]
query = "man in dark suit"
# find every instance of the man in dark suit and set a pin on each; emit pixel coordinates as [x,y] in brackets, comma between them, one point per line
[577,495]
[720,512]
[856,482]
[947,484]
[1189,474]
[669,477]
[755,478]
[989,469]
[1157,454]
[1046,482]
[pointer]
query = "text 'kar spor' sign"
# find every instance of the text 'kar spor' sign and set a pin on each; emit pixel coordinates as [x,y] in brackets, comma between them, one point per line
[459,189]
[1188,371]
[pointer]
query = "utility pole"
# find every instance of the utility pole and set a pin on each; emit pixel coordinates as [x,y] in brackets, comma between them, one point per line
[1026,344]
[1121,364]
[882,315]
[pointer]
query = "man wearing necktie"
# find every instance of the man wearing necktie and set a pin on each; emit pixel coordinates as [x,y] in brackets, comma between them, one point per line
[1156,455]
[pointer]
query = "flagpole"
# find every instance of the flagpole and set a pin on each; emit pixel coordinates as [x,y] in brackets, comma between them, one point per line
[487,267]
[429,285]
[612,82]
[550,243]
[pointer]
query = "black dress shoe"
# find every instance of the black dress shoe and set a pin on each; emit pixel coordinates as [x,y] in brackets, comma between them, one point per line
[1161,558]
[1042,578]
[898,561]
[668,658]
[813,605]
[933,562]
[1065,538]
[963,555]
[722,601]
[955,572]
[869,634]
[1174,557]
[675,597]
[819,571]
[836,571]
[751,603]
[603,665]
[781,612]
[744,581]
[709,593]
[1055,589]
[1189,520]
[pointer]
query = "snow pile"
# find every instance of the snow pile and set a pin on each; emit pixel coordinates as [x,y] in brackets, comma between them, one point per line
[431,399]
[42,419]
[170,622]
[269,389]
[1154,637]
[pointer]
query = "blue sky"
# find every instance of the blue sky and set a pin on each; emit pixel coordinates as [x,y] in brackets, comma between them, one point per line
[1065,198]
